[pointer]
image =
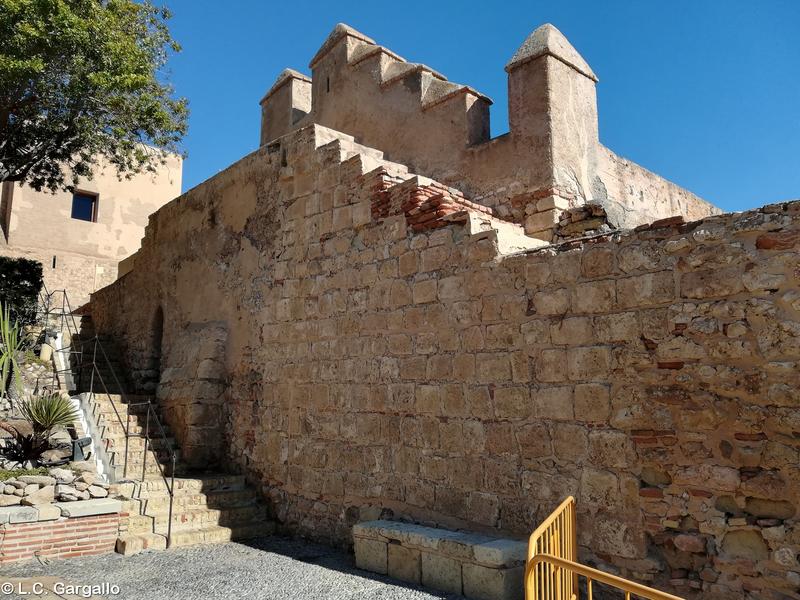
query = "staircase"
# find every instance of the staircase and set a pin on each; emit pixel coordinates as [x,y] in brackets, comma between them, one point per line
[206,508]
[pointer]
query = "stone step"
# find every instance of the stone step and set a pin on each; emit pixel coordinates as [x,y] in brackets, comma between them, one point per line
[131,543]
[117,443]
[205,484]
[136,457]
[188,500]
[219,534]
[206,517]
[151,470]
[112,430]
[122,415]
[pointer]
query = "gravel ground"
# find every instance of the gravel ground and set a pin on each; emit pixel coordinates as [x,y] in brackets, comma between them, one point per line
[266,568]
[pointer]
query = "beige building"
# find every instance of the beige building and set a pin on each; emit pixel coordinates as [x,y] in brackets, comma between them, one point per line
[81,237]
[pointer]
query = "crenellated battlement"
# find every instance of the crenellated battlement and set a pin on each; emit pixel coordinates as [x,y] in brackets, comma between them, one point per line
[551,160]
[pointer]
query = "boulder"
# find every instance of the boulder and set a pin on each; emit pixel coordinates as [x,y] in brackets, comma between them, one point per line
[89,477]
[44,495]
[37,479]
[62,475]
[6,500]
[95,491]
[62,488]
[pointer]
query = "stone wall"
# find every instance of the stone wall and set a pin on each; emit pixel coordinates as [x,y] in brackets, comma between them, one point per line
[377,364]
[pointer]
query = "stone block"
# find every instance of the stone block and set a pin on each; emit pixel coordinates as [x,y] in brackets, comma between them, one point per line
[592,402]
[553,402]
[88,508]
[19,514]
[371,555]
[588,363]
[551,202]
[556,302]
[404,563]
[483,583]
[595,297]
[441,573]
[48,512]
[129,545]
[501,553]
[646,290]
[573,331]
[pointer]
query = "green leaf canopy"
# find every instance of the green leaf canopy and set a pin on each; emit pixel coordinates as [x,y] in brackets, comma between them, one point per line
[81,79]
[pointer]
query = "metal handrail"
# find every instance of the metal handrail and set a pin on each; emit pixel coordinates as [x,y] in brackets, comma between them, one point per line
[168,482]
[171,485]
[67,313]
[557,565]
[556,536]
[552,570]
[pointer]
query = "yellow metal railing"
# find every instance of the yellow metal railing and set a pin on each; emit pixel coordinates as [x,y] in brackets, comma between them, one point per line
[553,569]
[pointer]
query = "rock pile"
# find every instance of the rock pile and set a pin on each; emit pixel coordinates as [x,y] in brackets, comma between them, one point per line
[62,485]
[580,221]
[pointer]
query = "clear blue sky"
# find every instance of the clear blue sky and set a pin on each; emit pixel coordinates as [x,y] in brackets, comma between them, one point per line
[705,93]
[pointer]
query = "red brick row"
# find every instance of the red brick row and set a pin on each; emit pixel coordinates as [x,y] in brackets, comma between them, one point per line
[59,539]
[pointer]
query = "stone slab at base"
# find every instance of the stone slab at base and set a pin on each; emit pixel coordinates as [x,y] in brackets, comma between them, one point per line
[477,566]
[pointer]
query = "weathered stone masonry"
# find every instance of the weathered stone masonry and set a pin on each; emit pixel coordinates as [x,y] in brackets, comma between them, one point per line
[365,342]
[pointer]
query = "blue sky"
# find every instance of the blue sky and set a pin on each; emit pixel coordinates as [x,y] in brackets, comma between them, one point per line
[705,93]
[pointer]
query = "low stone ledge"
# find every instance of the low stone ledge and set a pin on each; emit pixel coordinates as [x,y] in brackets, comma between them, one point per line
[18,514]
[89,508]
[477,566]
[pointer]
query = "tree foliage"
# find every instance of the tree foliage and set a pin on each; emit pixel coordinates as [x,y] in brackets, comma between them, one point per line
[82,79]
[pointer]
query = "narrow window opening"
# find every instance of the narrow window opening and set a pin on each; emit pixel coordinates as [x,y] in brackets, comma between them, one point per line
[84,206]
[327,84]
[54,262]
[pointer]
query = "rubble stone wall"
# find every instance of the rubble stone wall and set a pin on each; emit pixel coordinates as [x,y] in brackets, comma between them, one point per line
[369,369]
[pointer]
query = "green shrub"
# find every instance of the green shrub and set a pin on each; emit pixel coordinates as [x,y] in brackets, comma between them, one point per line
[14,473]
[20,283]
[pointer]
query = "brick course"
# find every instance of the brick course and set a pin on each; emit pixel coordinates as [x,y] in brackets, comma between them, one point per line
[64,538]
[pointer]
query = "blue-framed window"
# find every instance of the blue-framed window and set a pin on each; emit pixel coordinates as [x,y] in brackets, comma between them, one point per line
[84,206]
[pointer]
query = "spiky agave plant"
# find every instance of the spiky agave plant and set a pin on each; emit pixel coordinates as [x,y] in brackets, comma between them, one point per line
[45,412]
[11,343]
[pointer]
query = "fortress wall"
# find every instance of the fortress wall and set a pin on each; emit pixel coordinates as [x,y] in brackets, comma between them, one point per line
[354,367]
[440,129]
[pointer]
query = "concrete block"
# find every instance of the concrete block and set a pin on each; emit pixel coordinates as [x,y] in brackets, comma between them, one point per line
[441,573]
[88,508]
[501,553]
[404,563]
[371,555]
[483,583]
[19,514]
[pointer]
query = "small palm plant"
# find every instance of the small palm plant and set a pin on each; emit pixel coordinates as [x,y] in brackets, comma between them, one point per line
[43,413]
[46,412]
